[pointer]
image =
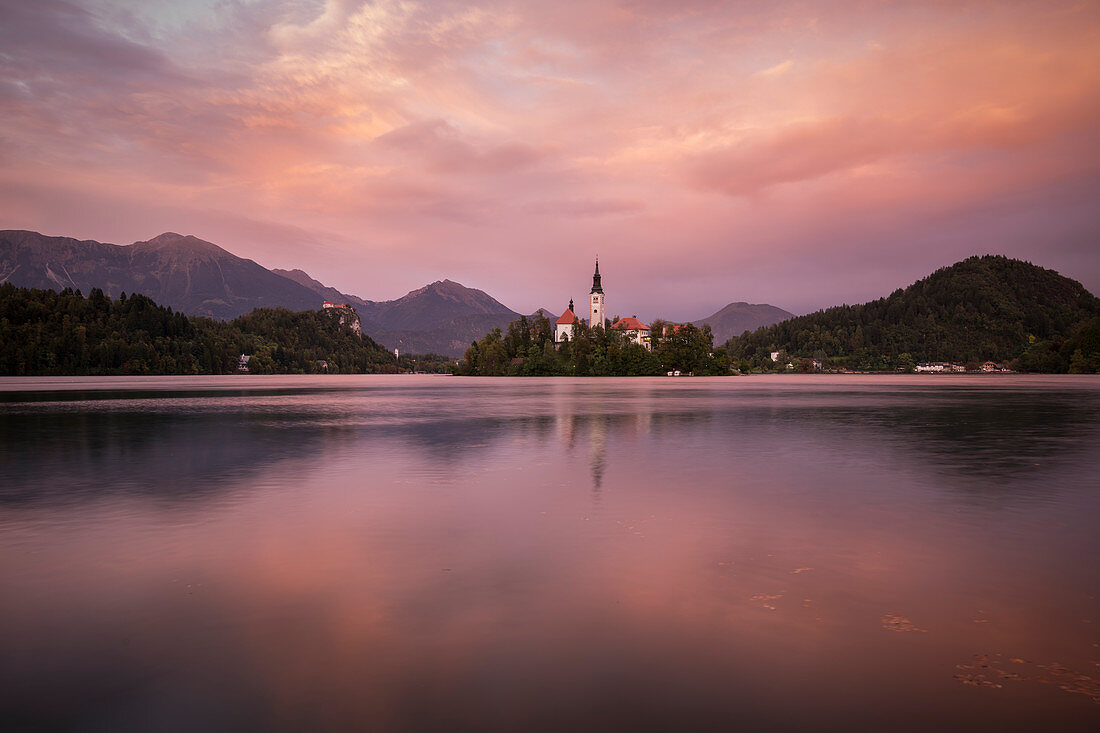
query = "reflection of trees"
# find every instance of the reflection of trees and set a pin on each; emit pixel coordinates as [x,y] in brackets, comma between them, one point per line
[189,447]
[976,437]
[975,440]
[986,435]
[75,455]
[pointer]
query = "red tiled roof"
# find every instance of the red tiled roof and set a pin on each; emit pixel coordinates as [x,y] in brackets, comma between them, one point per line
[629,324]
[568,317]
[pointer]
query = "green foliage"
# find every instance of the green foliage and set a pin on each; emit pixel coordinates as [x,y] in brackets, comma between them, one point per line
[298,341]
[428,363]
[989,308]
[43,332]
[528,349]
[688,348]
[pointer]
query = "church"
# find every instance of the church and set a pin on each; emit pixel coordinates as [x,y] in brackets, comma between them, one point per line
[633,329]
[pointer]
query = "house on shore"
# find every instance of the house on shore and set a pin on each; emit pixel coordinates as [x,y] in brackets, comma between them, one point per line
[930,367]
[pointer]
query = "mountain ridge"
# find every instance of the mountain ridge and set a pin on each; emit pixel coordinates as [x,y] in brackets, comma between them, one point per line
[182,272]
[441,317]
[983,308]
[330,293]
[737,317]
[198,277]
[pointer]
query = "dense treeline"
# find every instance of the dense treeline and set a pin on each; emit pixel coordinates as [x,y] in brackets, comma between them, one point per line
[296,342]
[527,349]
[989,308]
[43,332]
[430,363]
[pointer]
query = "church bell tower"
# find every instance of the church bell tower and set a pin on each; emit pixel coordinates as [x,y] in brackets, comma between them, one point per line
[596,299]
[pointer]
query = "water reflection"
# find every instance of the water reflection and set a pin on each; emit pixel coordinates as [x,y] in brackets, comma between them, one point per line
[594,555]
[128,442]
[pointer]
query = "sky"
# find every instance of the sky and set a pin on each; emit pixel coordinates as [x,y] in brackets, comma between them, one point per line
[802,154]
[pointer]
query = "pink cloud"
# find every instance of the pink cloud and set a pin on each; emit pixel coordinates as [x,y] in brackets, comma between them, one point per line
[477,137]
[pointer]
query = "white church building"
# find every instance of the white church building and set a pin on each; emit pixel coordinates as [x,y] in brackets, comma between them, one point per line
[563,327]
[632,328]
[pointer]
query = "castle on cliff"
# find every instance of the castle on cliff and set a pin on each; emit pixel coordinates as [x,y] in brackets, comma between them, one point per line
[632,328]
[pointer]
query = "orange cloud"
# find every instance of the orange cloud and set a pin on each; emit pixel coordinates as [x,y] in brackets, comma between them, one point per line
[737,132]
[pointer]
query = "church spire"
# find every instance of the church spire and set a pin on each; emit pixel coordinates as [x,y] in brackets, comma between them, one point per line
[596,286]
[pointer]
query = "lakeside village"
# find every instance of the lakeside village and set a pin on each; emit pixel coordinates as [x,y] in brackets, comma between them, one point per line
[924,367]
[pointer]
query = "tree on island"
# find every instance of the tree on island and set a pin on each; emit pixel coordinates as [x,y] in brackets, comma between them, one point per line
[527,348]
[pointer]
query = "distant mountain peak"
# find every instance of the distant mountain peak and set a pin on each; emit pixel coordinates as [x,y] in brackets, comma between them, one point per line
[324,291]
[739,316]
[453,290]
[184,242]
[200,278]
[441,286]
[181,271]
[301,277]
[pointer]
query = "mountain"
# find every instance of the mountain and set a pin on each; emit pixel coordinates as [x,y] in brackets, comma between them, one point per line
[196,277]
[331,294]
[736,318]
[450,338]
[983,308]
[183,272]
[433,305]
[443,317]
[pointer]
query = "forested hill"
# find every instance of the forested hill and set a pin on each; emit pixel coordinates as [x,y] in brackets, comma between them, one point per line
[988,308]
[44,332]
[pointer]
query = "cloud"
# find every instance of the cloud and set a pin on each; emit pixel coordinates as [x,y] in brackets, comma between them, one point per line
[482,135]
[587,207]
[800,152]
[54,37]
[973,95]
[778,70]
[445,150]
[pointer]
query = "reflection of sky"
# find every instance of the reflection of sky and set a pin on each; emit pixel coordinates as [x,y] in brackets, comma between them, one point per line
[405,554]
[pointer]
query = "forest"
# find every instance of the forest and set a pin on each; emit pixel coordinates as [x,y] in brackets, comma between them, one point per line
[989,308]
[44,332]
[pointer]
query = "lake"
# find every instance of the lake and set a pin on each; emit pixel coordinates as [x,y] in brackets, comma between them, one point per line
[439,553]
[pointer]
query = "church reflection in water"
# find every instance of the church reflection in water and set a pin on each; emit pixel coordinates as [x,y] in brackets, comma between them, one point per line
[592,433]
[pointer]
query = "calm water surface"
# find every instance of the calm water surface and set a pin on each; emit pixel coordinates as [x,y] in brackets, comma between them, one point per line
[416,553]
